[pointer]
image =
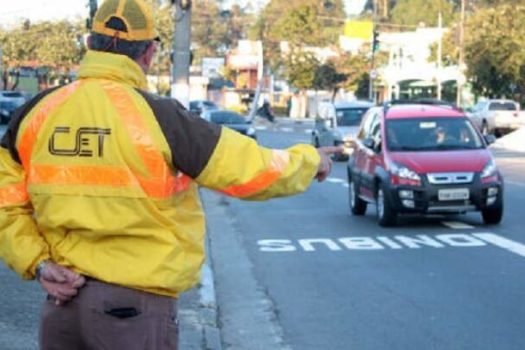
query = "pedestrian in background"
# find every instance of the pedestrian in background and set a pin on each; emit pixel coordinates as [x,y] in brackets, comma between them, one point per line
[98,192]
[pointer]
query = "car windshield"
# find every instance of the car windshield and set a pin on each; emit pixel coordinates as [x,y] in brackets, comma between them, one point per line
[503,106]
[350,116]
[431,134]
[227,118]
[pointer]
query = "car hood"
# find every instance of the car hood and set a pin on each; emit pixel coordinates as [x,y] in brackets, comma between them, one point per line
[443,161]
[348,131]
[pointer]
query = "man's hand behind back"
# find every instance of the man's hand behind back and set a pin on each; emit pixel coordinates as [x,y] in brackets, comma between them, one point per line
[60,282]
[325,166]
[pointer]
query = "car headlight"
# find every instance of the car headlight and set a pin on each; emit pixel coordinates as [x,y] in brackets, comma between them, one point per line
[403,172]
[489,169]
[250,131]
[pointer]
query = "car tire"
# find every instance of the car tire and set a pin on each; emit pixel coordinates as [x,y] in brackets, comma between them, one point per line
[386,214]
[492,216]
[316,142]
[357,205]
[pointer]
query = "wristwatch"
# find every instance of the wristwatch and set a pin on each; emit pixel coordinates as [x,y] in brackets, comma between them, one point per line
[40,268]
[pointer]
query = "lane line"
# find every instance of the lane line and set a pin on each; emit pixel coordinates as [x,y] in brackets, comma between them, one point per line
[335,180]
[457,225]
[286,129]
[515,183]
[505,243]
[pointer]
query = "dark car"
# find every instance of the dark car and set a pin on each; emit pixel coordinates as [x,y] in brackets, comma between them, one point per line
[422,159]
[231,120]
[7,107]
[198,106]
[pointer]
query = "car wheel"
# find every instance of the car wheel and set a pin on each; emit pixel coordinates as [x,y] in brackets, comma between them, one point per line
[316,142]
[357,205]
[492,216]
[386,215]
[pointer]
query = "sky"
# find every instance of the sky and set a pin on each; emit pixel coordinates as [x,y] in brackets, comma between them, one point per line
[36,10]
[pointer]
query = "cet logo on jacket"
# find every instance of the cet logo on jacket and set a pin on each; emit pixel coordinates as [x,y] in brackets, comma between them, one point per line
[86,141]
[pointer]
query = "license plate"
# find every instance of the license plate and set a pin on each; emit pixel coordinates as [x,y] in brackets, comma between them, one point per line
[453,194]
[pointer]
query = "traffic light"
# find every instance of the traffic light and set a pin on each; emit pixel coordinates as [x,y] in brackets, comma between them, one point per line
[375,41]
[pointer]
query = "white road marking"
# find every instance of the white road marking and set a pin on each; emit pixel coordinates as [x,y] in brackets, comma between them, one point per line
[261,128]
[286,129]
[457,225]
[515,183]
[346,185]
[308,131]
[502,242]
[335,180]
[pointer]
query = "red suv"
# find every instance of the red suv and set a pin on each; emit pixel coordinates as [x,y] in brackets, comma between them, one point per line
[423,158]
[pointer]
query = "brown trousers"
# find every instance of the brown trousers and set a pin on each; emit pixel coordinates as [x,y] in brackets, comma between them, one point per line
[108,317]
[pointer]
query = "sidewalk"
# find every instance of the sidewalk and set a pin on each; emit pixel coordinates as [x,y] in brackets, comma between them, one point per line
[197,313]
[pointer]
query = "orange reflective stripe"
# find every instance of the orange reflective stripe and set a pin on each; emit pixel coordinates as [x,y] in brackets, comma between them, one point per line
[280,160]
[13,194]
[82,175]
[160,183]
[25,148]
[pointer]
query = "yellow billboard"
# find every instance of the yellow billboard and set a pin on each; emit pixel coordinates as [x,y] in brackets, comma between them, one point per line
[359,29]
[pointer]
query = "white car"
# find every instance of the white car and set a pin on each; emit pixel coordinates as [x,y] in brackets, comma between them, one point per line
[496,116]
[337,123]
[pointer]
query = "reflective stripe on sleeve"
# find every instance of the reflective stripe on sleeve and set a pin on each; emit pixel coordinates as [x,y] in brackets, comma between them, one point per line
[13,195]
[277,167]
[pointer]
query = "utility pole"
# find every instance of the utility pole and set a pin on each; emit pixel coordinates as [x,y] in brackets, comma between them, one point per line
[372,95]
[439,54]
[92,10]
[461,60]
[180,89]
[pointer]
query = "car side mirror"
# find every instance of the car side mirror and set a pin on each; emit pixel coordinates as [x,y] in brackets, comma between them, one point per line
[369,143]
[490,139]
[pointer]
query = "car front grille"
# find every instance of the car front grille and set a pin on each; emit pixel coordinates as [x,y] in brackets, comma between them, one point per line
[450,178]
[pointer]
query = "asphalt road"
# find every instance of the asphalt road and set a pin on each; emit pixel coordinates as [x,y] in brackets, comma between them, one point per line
[303,273]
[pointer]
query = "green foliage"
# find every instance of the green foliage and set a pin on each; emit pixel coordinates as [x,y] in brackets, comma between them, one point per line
[414,12]
[300,69]
[328,78]
[300,22]
[494,50]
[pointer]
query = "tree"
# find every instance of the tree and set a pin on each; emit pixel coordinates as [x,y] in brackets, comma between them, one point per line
[56,45]
[494,50]
[415,12]
[301,22]
[328,78]
[300,69]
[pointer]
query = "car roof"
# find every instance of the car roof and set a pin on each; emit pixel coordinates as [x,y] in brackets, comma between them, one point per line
[353,104]
[407,111]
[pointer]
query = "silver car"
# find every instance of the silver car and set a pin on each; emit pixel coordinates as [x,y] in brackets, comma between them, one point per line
[496,116]
[337,123]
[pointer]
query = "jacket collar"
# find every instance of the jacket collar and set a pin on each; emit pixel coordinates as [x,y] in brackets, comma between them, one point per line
[120,68]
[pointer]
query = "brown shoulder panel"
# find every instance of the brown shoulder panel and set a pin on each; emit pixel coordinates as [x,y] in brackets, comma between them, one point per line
[9,139]
[191,139]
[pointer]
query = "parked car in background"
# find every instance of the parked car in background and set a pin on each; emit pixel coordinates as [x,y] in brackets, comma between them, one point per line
[418,159]
[496,116]
[198,106]
[9,102]
[337,123]
[231,120]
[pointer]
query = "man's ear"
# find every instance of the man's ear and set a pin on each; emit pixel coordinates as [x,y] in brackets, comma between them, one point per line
[149,54]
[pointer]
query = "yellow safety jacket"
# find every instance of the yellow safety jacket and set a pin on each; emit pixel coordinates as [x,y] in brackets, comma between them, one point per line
[102,177]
